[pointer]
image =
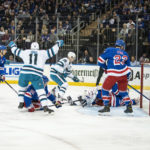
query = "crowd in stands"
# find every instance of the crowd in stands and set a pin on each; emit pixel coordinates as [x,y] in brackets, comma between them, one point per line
[43,29]
[37,20]
[124,18]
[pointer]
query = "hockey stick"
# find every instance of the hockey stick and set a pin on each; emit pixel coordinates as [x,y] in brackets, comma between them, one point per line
[67,101]
[11,87]
[138,92]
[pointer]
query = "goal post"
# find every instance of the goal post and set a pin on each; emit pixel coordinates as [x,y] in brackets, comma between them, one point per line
[144,89]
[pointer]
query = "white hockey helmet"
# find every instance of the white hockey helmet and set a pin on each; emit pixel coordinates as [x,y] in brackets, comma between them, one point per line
[34,46]
[72,55]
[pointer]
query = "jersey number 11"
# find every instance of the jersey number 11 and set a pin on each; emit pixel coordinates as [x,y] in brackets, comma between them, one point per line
[33,59]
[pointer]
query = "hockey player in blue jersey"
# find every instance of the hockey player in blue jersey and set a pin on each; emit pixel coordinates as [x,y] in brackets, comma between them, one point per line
[3,51]
[116,62]
[31,99]
[32,70]
[60,71]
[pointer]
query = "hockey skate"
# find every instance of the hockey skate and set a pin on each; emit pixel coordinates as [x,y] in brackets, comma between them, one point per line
[129,109]
[21,105]
[105,109]
[70,101]
[46,109]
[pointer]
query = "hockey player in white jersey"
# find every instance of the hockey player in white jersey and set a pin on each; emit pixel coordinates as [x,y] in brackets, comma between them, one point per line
[61,70]
[32,70]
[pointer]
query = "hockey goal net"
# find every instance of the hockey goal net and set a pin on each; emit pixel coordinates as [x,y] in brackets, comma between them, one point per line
[145,87]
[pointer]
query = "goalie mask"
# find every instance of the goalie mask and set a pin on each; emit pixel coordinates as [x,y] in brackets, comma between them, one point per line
[34,46]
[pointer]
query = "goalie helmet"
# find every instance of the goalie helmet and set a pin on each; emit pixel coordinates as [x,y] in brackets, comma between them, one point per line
[34,46]
[72,55]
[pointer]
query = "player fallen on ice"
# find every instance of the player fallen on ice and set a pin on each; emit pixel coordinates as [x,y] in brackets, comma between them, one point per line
[116,62]
[32,70]
[60,71]
[94,98]
[3,61]
[31,99]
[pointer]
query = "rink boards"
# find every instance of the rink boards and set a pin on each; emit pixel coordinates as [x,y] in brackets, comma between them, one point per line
[88,73]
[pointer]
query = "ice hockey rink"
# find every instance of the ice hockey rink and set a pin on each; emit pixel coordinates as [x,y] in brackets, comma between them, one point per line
[70,127]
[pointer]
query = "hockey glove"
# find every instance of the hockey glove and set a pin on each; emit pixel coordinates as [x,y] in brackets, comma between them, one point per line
[75,79]
[57,104]
[82,101]
[60,43]
[129,76]
[12,44]
[2,78]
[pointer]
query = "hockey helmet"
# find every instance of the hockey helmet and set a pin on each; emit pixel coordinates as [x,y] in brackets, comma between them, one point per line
[120,43]
[72,55]
[2,47]
[45,79]
[34,46]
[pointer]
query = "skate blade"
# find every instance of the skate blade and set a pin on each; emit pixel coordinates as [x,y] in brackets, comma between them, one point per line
[104,114]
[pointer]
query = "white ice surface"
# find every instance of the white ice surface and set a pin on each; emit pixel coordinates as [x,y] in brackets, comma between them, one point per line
[70,128]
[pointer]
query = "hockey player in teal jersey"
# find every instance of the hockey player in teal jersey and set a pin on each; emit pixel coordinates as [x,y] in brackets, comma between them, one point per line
[61,70]
[32,70]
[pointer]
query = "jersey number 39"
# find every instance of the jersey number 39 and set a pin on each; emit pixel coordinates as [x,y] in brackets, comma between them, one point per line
[120,60]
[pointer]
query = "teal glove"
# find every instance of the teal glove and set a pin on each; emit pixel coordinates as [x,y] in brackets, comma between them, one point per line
[60,43]
[12,44]
[75,79]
